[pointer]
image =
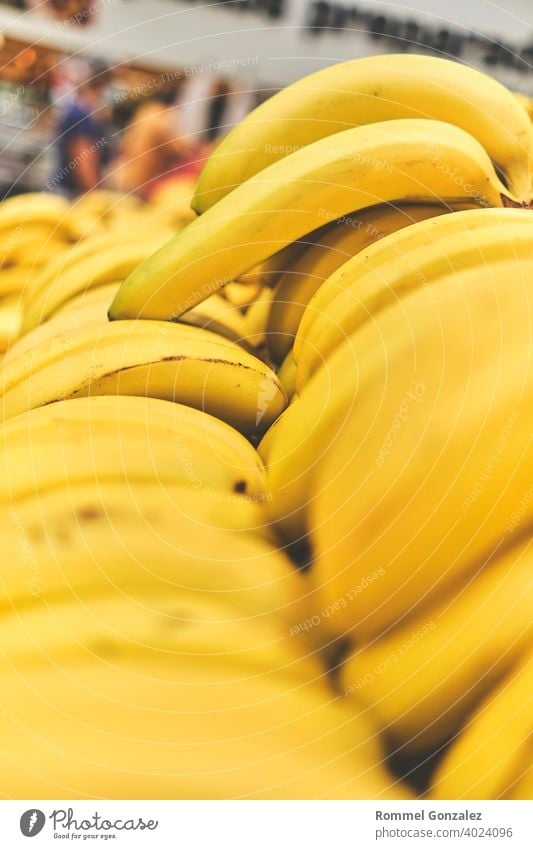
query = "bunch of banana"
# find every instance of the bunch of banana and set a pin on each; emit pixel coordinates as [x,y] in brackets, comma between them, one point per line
[426,673]
[149,358]
[167,694]
[365,91]
[91,263]
[394,161]
[146,629]
[417,257]
[314,265]
[34,228]
[86,310]
[142,439]
[36,210]
[491,757]
[429,450]
[389,318]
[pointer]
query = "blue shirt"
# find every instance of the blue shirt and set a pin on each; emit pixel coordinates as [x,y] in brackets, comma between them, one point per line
[75,123]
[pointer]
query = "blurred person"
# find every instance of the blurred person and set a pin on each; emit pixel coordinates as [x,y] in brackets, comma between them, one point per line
[217,107]
[151,146]
[81,140]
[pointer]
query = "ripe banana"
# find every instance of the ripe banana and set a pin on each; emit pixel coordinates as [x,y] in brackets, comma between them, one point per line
[13,279]
[147,358]
[85,539]
[125,438]
[414,258]
[365,91]
[255,321]
[287,376]
[151,620]
[400,161]
[30,245]
[488,755]
[74,277]
[215,314]
[428,454]
[36,208]
[297,445]
[423,677]
[523,786]
[338,243]
[85,310]
[10,321]
[145,725]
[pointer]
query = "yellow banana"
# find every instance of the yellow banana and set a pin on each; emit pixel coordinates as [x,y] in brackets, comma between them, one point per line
[91,271]
[84,539]
[429,447]
[94,439]
[144,726]
[13,280]
[255,321]
[422,678]
[36,208]
[400,161]
[287,376]
[487,756]
[365,91]
[218,315]
[523,786]
[151,358]
[30,245]
[10,321]
[414,258]
[87,309]
[339,242]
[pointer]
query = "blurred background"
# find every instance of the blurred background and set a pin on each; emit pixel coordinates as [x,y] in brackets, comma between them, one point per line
[129,93]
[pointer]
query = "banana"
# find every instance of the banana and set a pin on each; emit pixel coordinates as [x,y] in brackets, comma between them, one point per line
[148,726]
[173,198]
[85,539]
[218,315]
[365,91]
[338,243]
[100,202]
[36,208]
[296,446]
[13,279]
[30,245]
[487,756]
[10,321]
[523,786]
[287,376]
[400,161]
[154,621]
[85,310]
[75,277]
[150,358]
[421,679]
[413,258]
[95,439]
[256,318]
[428,448]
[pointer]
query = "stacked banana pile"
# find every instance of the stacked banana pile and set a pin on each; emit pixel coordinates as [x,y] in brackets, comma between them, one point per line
[268,528]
